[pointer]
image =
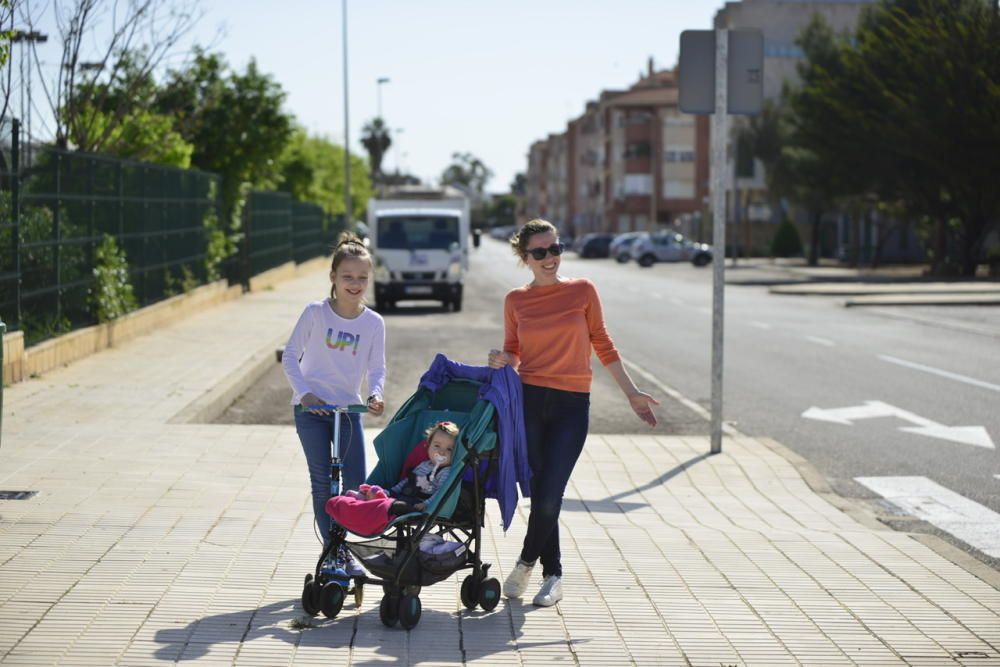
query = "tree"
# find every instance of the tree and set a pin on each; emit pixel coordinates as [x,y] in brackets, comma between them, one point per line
[139,135]
[312,169]
[376,140]
[909,112]
[468,172]
[235,121]
[144,33]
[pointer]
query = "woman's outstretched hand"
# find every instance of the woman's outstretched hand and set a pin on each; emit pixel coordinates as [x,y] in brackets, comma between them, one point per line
[642,404]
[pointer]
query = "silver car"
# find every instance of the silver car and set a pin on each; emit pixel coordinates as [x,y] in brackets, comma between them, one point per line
[621,246]
[670,247]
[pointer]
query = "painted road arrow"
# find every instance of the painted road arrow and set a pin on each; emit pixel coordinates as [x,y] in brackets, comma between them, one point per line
[967,435]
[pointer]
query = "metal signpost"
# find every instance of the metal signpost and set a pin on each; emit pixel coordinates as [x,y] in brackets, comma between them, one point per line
[720,72]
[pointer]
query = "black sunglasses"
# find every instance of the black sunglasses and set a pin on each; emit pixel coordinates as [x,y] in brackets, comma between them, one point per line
[555,250]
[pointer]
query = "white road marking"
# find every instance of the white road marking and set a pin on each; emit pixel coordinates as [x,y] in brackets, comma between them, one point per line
[967,435]
[760,325]
[820,341]
[925,499]
[937,371]
[997,476]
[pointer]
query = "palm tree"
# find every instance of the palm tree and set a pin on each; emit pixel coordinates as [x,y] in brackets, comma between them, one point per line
[376,140]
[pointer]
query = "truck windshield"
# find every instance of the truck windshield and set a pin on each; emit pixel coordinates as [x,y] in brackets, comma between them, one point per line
[417,232]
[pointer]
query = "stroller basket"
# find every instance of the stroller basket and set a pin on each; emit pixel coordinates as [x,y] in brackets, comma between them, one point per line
[384,558]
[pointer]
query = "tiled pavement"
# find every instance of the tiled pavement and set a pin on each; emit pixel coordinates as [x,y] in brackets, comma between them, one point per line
[152,542]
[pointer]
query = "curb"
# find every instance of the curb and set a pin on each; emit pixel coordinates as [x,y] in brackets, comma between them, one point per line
[207,407]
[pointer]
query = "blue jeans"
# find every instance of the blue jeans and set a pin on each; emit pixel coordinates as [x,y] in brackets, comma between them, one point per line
[555,424]
[316,435]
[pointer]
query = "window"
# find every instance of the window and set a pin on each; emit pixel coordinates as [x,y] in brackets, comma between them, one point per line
[399,232]
[641,149]
[678,154]
[638,184]
[678,190]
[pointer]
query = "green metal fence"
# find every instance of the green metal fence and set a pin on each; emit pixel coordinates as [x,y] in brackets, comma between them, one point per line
[57,211]
[57,206]
[278,229]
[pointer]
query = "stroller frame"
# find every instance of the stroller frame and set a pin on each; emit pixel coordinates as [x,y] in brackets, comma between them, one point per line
[325,591]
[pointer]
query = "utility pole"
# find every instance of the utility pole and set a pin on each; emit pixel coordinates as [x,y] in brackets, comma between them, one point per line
[348,210]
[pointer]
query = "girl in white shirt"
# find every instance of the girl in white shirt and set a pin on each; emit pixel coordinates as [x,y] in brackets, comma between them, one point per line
[337,343]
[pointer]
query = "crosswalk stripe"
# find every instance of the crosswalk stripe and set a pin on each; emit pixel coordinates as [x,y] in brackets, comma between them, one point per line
[975,524]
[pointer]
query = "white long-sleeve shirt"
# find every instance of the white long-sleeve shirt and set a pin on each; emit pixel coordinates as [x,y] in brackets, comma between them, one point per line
[329,355]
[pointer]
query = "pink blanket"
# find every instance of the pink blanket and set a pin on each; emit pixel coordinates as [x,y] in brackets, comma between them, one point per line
[364,517]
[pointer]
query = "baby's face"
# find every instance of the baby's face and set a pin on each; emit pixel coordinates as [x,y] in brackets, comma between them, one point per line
[441,448]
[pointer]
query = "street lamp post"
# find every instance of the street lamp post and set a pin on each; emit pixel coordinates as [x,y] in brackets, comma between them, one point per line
[348,212]
[378,92]
[30,37]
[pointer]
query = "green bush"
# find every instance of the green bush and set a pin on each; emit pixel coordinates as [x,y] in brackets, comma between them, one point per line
[786,242]
[111,295]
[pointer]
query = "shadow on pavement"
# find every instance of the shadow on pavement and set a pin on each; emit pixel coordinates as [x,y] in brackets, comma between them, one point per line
[613,503]
[482,633]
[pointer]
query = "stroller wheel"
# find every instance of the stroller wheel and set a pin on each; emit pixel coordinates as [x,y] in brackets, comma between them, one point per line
[331,599]
[409,611]
[388,610]
[470,592]
[489,594]
[310,596]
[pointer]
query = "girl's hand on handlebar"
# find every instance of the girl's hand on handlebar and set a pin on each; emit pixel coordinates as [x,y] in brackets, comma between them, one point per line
[642,404]
[310,400]
[375,405]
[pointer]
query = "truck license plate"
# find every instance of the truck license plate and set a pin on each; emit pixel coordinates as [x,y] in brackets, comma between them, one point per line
[418,289]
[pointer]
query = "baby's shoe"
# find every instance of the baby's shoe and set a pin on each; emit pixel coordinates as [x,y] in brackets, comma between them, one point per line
[373,491]
[351,493]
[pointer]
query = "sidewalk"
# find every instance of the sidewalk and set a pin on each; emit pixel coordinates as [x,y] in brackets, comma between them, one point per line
[888,286]
[152,541]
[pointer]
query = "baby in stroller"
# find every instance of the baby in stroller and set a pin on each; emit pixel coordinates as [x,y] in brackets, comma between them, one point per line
[371,507]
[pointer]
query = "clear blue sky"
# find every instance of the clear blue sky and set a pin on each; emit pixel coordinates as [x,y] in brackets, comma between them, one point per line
[484,77]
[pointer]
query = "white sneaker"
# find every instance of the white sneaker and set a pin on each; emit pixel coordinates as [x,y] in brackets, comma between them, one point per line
[517,580]
[550,593]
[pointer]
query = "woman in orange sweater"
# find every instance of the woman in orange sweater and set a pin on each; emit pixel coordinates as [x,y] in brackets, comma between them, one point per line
[550,327]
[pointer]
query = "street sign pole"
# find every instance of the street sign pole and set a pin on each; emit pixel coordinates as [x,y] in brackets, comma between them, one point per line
[720,129]
[720,72]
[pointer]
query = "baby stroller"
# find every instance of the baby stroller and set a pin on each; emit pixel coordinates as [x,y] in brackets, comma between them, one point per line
[467,396]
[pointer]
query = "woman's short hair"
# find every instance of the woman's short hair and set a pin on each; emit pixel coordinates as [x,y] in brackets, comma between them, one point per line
[519,241]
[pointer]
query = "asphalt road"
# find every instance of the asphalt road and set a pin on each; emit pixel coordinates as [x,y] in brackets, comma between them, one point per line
[783,356]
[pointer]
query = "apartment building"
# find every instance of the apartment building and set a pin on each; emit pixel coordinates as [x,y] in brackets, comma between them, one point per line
[630,161]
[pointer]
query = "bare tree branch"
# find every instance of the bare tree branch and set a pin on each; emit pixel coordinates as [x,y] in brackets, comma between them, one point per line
[143,35]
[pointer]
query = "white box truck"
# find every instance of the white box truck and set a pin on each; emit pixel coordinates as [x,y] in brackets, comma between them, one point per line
[420,239]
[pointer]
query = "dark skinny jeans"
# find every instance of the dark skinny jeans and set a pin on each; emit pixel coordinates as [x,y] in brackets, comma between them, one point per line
[555,424]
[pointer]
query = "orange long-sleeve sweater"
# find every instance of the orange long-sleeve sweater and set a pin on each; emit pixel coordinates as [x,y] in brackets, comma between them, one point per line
[552,329]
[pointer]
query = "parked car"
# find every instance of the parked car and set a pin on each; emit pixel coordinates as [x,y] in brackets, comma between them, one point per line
[621,246]
[594,245]
[670,247]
